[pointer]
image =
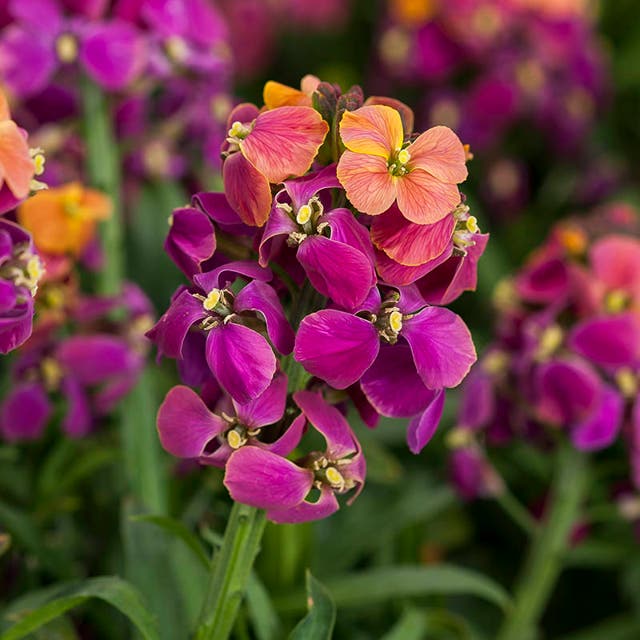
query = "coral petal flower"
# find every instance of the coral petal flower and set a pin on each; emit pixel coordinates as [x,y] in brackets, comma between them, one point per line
[376,169]
[276,94]
[16,166]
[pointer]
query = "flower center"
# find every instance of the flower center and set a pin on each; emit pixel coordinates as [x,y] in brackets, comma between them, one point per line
[465,229]
[238,131]
[67,48]
[388,322]
[627,382]
[398,164]
[25,269]
[177,49]
[326,472]
[307,217]
[51,373]
[212,299]
[550,341]
[616,301]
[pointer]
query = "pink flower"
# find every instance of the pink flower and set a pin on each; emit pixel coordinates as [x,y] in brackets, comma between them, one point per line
[379,168]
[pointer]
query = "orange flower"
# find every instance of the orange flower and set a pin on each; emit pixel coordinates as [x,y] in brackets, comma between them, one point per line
[378,168]
[17,168]
[275,94]
[63,220]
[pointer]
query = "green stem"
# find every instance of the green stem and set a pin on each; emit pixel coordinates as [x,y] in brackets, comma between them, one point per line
[103,168]
[514,509]
[545,559]
[231,569]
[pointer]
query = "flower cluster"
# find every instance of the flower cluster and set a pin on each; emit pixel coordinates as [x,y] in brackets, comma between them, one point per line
[316,280]
[495,69]
[565,361]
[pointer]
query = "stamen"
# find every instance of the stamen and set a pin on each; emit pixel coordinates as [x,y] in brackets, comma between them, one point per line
[238,131]
[335,478]
[304,214]
[616,301]
[67,48]
[472,225]
[627,382]
[404,156]
[549,342]
[395,321]
[177,48]
[236,438]
[212,300]
[458,438]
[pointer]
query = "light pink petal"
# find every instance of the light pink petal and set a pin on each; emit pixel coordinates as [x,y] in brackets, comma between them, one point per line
[247,190]
[616,261]
[326,505]
[367,181]
[441,345]
[268,407]
[424,199]
[440,152]
[185,424]
[372,130]
[408,243]
[284,141]
[422,427]
[265,480]
[329,422]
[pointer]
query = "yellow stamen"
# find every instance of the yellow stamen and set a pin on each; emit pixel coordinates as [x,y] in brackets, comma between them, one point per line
[504,295]
[395,321]
[472,224]
[404,156]
[616,301]
[549,342]
[67,48]
[334,477]
[51,372]
[220,106]
[35,271]
[37,155]
[211,301]
[304,214]
[235,439]
[177,48]
[627,383]
[458,438]
[495,362]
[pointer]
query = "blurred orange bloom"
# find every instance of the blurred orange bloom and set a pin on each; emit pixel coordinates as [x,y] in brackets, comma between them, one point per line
[63,220]
[276,94]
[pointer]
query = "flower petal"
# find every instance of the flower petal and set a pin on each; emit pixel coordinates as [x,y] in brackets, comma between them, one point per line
[226,274]
[326,505]
[439,152]
[241,360]
[336,346]
[278,227]
[373,130]
[408,243]
[260,297]
[265,480]
[424,199]
[422,427]
[268,407]
[441,345]
[290,439]
[191,239]
[25,412]
[616,261]
[185,423]
[303,189]
[247,190]
[367,181]
[337,270]
[284,141]
[16,165]
[77,421]
[600,429]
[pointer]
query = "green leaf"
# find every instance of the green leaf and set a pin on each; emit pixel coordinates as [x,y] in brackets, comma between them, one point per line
[266,623]
[619,628]
[38,608]
[411,626]
[374,586]
[319,622]
[178,530]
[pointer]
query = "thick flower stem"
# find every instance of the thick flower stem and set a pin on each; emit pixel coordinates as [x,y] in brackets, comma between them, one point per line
[103,168]
[545,558]
[230,572]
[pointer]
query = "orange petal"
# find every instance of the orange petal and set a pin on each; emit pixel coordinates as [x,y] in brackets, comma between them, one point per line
[96,205]
[275,95]
[16,165]
[5,112]
[367,181]
[375,130]
[309,84]
[284,142]
[424,199]
[440,152]
[406,113]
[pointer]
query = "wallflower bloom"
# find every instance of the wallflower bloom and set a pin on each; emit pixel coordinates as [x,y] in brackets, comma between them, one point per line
[63,220]
[276,94]
[264,148]
[379,168]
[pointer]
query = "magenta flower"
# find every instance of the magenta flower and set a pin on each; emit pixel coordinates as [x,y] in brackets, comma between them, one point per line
[266,480]
[236,351]
[340,347]
[332,246]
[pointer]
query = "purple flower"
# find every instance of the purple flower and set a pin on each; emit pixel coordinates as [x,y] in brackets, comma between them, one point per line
[266,480]
[332,246]
[20,270]
[189,429]
[236,351]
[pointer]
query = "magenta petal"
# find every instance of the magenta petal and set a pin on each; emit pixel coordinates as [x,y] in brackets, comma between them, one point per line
[612,341]
[77,420]
[326,504]
[185,424]
[397,274]
[268,407]
[329,422]
[337,270]
[601,428]
[279,225]
[422,427]
[241,360]
[477,400]
[113,53]
[25,412]
[170,331]
[336,346]
[441,345]
[303,189]
[260,297]
[265,480]
[228,273]
[546,279]
[247,190]
[290,439]
[217,207]
[346,229]
[16,325]
[191,239]
[392,384]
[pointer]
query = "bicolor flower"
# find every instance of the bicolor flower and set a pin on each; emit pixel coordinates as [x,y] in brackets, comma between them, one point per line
[332,246]
[189,429]
[265,480]
[340,347]
[63,220]
[236,350]
[276,94]
[379,168]
[267,147]
[20,272]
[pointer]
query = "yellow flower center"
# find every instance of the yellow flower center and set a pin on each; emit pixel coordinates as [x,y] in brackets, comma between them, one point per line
[395,321]
[627,382]
[238,131]
[549,342]
[177,48]
[616,301]
[472,224]
[212,300]
[304,214]
[495,362]
[404,156]
[51,373]
[458,438]
[335,478]
[235,439]
[67,48]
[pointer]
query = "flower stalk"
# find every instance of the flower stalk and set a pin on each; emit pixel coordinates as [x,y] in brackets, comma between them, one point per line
[545,559]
